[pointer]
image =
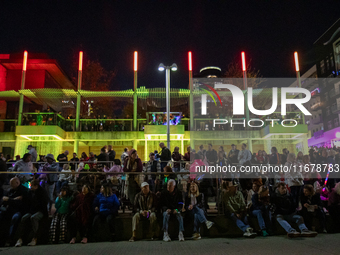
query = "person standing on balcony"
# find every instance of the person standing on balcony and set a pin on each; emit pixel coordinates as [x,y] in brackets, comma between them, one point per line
[62,158]
[165,155]
[111,153]
[74,159]
[177,157]
[152,166]
[50,179]
[233,154]
[33,153]
[211,155]
[133,164]
[124,155]
[103,156]
[202,152]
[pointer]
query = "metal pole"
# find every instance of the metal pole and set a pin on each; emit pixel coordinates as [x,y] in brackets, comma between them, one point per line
[135,101]
[167,82]
[300,95]
[80,74]
[246,96]
[23,79]
[191,102]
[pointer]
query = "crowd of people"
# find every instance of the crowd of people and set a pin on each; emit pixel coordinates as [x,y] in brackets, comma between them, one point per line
[83,192]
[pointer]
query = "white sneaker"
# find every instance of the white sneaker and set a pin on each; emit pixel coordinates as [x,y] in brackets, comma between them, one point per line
[180,236]
[32,243]
[249,233]
[209,224]
[166,237]
[19,243]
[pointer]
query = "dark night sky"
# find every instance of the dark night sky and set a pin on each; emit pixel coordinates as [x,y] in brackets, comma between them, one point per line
[164,31]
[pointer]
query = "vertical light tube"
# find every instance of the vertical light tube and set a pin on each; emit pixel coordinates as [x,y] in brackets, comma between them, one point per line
[23,79]
[135,98]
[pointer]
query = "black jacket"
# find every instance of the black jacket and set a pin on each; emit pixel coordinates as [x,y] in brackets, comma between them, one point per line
[284,204]
[112,155]
[200,202]
[38,201]
[165,154]
[211,156]
[14,206]
[103,157]
[172,200]
[312,200]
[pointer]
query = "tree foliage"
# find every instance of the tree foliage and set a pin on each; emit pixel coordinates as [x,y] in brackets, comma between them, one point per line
[234,70]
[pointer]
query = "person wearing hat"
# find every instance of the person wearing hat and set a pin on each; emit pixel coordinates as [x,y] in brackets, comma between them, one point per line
[235,208]
[33,153]
[145,206]
[50,179]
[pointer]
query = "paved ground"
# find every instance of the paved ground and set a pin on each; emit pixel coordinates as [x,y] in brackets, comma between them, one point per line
[322,244]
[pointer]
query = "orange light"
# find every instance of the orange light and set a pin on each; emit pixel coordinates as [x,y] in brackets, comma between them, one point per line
[80,61]
[135,61]
[296,58]
[190,60]
[243,61]
[24,66]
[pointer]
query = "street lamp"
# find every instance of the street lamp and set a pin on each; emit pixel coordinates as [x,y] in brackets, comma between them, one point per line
[167,69]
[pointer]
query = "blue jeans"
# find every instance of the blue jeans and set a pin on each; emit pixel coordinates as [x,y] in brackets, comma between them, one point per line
[166,218]
[59,185]
[50,194]
[283,221]
[260,218]
[295,192]
[175,169]
[152,184]
[199,218]
[14,219]
[241,223]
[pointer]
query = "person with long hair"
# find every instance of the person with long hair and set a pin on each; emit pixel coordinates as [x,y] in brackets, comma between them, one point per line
[106,206]
[133,164]
[259,157]
[195,206]
[84,157]
[59,220]
[82,213]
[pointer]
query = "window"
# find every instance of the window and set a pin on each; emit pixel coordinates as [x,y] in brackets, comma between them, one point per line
[336,122]
[322,66]
[328,111]
[336,47]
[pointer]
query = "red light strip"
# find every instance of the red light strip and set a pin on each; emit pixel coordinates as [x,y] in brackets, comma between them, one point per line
[24,66]
[135,61]
[190,60]
[243,61]
[296,58]
[80,61]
